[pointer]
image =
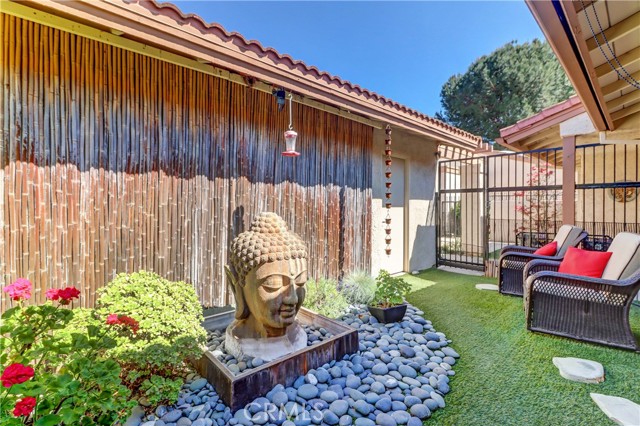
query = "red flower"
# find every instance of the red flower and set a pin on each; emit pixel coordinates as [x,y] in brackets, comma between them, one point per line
[65,295]
[52,294]
[20,289]
[115,319]
[16,374]
[68,294]
[130,322]
[25,406]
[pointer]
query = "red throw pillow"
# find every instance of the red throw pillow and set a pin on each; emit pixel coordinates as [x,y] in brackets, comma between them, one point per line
[548,250]
[584,262]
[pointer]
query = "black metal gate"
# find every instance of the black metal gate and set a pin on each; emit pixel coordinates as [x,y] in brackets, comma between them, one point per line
[485,203]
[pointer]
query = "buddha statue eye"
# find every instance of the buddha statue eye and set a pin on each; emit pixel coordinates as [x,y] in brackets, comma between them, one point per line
[301,279]
[273,282]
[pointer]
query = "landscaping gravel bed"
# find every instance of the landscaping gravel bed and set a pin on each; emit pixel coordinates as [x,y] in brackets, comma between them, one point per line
[215,344]
[399,376]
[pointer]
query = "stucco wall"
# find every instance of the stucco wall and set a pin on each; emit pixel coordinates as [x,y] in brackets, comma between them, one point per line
[420,178]
[608,164]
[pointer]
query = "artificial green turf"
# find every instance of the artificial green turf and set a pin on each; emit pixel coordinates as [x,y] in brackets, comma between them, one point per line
[505,375]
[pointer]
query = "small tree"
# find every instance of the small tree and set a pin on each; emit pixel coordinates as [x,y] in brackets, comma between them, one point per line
[539,206]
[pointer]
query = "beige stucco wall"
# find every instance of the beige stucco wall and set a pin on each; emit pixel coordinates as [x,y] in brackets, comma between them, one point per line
[420,177]
[503,172]
[598,205]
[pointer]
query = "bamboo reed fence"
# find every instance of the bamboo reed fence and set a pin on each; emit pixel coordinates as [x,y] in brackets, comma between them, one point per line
[113,162]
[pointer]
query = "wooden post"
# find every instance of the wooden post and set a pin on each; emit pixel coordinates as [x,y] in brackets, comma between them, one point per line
[569,180]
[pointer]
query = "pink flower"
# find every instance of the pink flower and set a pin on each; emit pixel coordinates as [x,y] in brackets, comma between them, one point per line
[52,294]
[112,319]
[20,289]
[16,374]
[25,406]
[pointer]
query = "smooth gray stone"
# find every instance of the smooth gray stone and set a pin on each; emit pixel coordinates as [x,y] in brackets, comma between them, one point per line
[362,407]
[407,371]
[339,407]
[384,419]
[384,405]
[307,391]
[420,411]
[329,397]
[330,418]
[183,421]
[401,416]
[438,398]
[380,369]
[414,421]
[172,416]
[450,352]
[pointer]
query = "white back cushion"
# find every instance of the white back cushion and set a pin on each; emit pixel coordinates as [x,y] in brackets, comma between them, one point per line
[625,259]
[565,237]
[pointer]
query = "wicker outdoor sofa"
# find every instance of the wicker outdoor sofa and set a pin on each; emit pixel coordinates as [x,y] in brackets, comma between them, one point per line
[590,309]
[513,259]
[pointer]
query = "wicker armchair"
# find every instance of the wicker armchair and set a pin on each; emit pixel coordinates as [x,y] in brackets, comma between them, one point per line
[513,259]
[590,309]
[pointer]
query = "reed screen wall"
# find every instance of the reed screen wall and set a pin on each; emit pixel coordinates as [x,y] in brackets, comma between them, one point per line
[115,162]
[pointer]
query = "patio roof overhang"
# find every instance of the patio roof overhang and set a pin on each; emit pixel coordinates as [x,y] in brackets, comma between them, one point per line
[162,31]
[598,44]
[541,130]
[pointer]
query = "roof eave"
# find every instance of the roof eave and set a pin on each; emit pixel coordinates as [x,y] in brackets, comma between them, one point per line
[130,21]
[572,52]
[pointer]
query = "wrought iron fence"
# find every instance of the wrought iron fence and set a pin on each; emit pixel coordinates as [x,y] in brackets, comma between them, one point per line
[485,203]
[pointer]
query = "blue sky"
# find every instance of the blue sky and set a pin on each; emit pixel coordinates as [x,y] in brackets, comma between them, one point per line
[404,51]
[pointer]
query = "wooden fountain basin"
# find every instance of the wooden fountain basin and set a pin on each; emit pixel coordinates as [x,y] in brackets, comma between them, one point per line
[238,390]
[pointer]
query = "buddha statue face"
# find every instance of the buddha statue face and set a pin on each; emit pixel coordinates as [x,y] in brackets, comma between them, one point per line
[279,287]
[267,274]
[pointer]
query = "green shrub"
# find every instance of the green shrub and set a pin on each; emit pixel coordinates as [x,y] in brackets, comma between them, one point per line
[159,389]
[390,291]
[358,288]
[169,315]
[324,298]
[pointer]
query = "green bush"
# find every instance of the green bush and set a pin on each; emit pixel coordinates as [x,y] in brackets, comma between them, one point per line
[159,389]
[358,288]
[169,315]
[324,298]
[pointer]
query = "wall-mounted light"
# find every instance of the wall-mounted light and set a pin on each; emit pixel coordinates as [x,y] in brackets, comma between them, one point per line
[290,136]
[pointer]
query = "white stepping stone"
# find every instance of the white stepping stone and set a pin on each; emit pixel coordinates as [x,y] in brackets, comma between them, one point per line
[491,287]
[620,410]
[580,370]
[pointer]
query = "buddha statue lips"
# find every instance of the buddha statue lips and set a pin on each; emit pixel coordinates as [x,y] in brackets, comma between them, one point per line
[267,274]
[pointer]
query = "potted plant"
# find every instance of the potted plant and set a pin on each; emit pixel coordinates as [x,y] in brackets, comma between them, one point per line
[389,304]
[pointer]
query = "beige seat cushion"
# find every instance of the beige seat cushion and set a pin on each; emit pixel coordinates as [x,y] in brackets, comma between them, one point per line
[565,237]
[625,259]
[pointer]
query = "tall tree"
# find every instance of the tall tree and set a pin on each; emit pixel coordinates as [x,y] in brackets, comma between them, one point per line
[512,83]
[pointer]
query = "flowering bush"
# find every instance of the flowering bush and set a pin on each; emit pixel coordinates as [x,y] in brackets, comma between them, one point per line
[170,315]
[538,208]
[49,380]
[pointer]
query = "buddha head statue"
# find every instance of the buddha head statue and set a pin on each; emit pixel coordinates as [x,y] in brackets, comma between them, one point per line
[267,273]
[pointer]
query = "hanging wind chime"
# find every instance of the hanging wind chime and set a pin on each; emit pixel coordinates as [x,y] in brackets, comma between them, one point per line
[387,174]
[290,136]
